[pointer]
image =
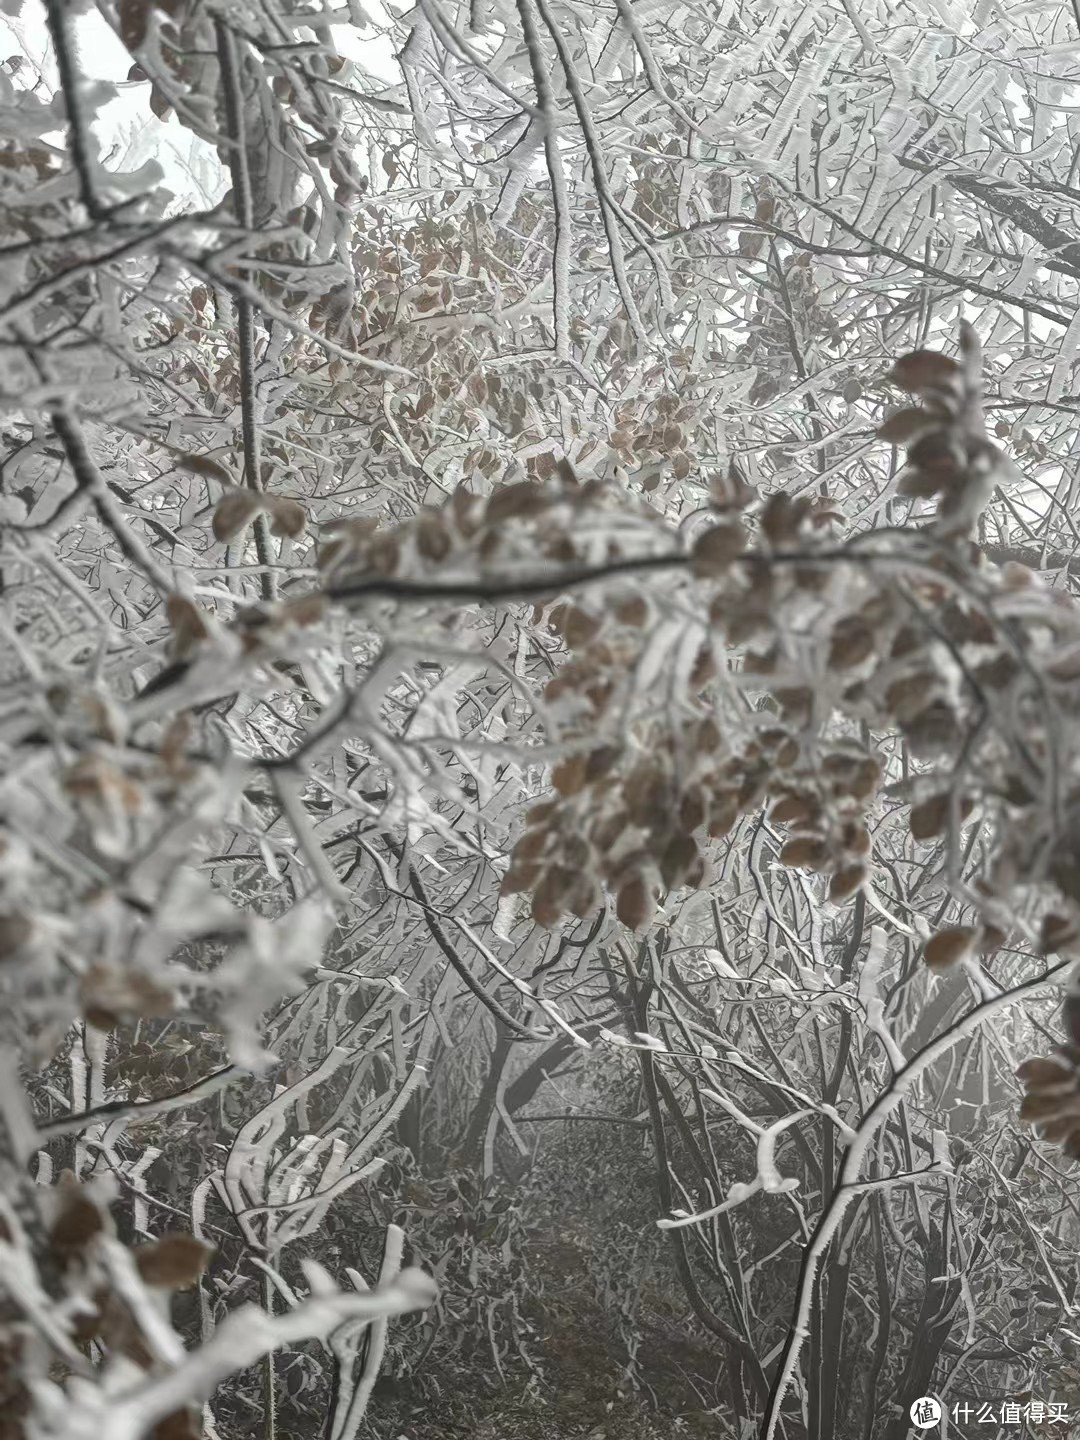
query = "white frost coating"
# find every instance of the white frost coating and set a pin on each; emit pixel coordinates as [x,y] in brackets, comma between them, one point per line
[354,1392]
[247,1159]
[874,901]
[942,1158]
[720,965]
[1064,361]
[147,1309]
[734,1111]
[288,789]
[809,76]
[736,1195]
[847,1134]
[649,1042]
[1030,266]
[848,1186]
[124,1404]
[880,184]
[768,1177]
[318,1198]
[870,995]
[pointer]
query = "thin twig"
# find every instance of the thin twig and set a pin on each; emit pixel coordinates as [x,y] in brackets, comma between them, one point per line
[245,310]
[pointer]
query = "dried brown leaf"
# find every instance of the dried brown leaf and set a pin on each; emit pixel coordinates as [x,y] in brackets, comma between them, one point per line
[730,491]
[383,553]
[782,515]
[713,552]
[522,875]
[568,777]
[938,455]
[929,817]
[807,851]
[933,729]
[1043,1071]
[132,15]
[109,993]
[518,501]
[77,1219]
[180,1425]
[633,611]
[1064,1130]
[600,762]
[707,740]
[304,610]
[846,882]
[578,627]
[851,642]
[923,370]
[172,1262]
[1039,1106]
[723,813]
[679,857]
[1057,932]
[793,810]
[647,792]
[16,928]
[548,903]
[703,669]
[949,947]
[866,778]
[1018,577]
[287,516]
[907,696]
[175,738]
[916,484]
[233,513]
[901,428]
[636,903]
[432,536]
[187,624]
[795,701]
[855,838]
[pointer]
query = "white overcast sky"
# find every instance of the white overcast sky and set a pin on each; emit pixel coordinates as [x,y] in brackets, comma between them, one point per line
[129,133]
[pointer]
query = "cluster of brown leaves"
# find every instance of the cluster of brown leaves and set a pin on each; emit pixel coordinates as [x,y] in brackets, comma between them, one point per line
[171,1262]
[824,801]
[108,793]
[236,510]
[949,455]
[525,519]
[926,648]
[258,627]
[956,943]
[1052,1098]
[110,995]
[663,430]
[637,827]
[820,788]
[636,817]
